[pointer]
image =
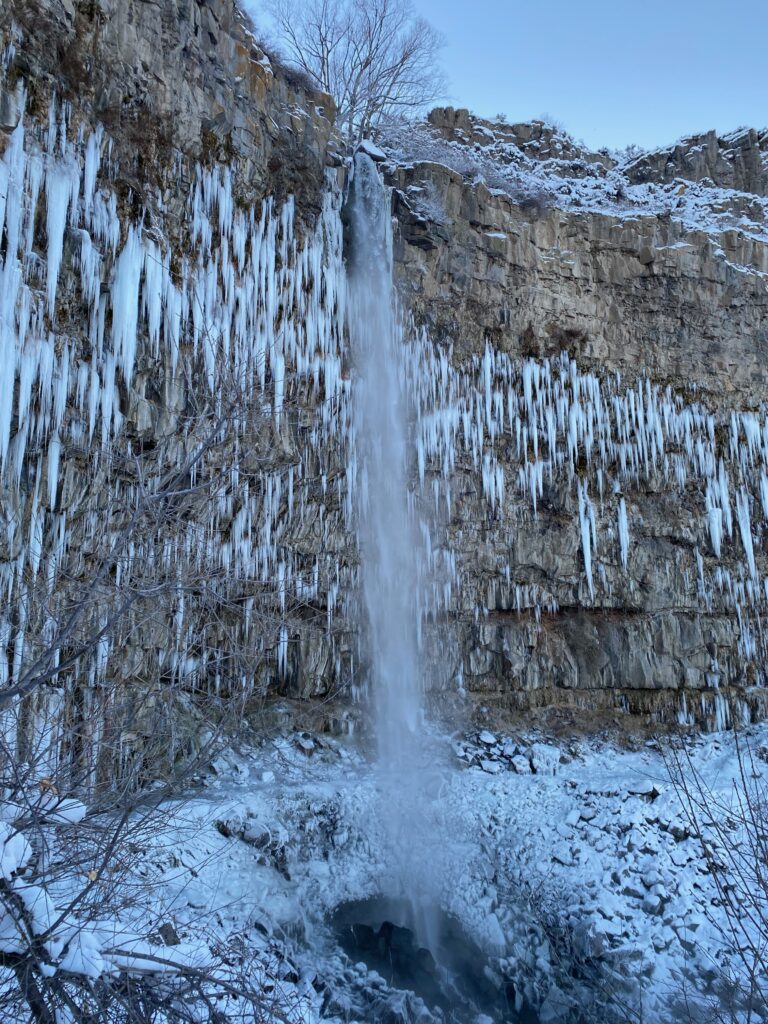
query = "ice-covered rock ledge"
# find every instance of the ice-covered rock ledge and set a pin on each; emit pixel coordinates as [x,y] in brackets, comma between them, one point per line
[579,877]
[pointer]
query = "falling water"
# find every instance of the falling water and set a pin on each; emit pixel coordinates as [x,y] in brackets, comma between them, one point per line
[393,571]
[388,545]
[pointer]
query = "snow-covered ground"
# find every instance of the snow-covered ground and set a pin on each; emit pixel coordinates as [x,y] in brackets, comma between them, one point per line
[574,868]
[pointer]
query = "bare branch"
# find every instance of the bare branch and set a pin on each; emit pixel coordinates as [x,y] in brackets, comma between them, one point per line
[375,57]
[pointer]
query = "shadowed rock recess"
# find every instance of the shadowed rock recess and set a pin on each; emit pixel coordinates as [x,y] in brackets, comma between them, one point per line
[586,370]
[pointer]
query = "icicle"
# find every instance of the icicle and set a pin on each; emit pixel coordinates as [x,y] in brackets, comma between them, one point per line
[92,161]
[125,304]
[278,375]
[54,455]
[282,653]
[764,495]
[715,520]
[742,514]
[585,508]
[623,533]
[62,182]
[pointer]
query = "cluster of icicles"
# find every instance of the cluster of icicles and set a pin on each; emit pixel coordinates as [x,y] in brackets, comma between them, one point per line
[524,424]
[265,316]
[261,315]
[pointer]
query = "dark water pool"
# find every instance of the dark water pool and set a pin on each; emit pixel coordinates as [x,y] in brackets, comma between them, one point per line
[426,951]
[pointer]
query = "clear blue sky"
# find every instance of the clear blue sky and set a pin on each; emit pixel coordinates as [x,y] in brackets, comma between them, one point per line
[613,72]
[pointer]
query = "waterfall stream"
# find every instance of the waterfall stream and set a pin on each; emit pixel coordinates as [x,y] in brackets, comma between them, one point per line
[388,541]
[392,574]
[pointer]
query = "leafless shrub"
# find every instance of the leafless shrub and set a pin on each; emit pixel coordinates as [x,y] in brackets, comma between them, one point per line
[731,827]
[83,936]
[553,122]
[626,154]
[532,201]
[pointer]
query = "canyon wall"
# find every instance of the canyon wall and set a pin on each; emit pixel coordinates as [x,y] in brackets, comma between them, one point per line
[586,376]
[171,285]
[184,79]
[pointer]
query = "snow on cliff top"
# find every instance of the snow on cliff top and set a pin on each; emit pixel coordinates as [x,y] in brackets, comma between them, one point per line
[588,183]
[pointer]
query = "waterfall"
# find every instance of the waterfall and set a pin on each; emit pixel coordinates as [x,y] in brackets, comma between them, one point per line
[390,573]
[391,553]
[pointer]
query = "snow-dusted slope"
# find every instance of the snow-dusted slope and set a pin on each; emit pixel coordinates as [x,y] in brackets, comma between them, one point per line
[551,169]
[581,881]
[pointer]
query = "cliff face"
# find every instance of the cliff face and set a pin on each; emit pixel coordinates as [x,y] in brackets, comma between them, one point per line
[171,330]
[181,78]
[736,161]
[179,469]
[618,293]
[657,295]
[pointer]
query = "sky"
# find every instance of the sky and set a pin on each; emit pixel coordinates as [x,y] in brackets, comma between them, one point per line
[611,72]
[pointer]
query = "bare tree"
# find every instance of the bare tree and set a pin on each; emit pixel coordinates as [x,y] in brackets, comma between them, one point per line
[377,58]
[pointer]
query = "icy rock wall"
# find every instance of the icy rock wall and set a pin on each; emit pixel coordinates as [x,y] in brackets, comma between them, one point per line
[172,448]
[130,359]
[120,104]
[608,379]
[174,353]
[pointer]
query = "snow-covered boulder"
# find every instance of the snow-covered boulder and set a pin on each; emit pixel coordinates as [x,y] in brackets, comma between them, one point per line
[370,148]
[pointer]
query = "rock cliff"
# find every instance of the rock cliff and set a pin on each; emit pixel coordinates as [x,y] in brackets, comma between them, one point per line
[736,161]
[586,374]
[168,79]
[168,215]
[661,290]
